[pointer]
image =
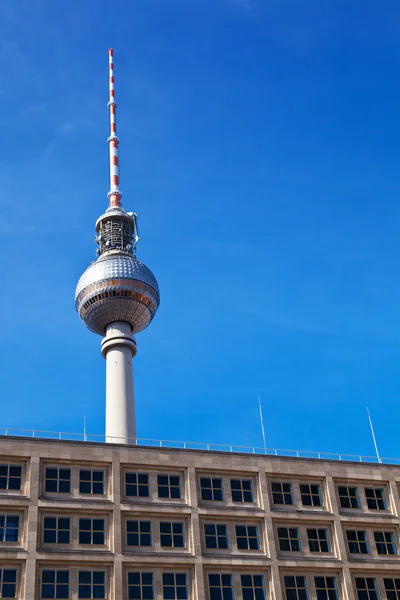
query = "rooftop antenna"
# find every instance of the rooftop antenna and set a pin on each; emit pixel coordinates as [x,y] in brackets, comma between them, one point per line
[84,430]
[373,437]
[262,424]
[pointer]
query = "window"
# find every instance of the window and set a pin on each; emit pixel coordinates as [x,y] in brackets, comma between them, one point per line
[216,536]
[138,533]
[247,537]
[171,535]
[91,482]
[140,586]
[326,588]
[55,584]
[56,530]
[366,588]
[174,586]
[137,485]
[375,498]
[358,542]
[289,540]
[241,490]
[220,586]
[10,477]
[91,531]
[91,584]
[169,486]
[348,497]
[8,583]
[310,494]
[57,480]
[252,587]
[385,543]
[211,489]
[281,492]
[9,528]
[318,540]
[392,588]
[295,587]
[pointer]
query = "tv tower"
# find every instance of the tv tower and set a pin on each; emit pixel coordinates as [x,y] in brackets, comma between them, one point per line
[117,296]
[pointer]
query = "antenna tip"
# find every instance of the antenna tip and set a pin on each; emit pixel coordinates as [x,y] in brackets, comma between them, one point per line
[110,52]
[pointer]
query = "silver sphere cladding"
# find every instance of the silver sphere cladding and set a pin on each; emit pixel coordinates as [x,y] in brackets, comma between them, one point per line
[117,287]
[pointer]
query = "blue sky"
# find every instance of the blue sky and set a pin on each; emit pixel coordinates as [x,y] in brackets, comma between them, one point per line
[260,145]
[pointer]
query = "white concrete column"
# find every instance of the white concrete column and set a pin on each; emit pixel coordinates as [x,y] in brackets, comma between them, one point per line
[118,348]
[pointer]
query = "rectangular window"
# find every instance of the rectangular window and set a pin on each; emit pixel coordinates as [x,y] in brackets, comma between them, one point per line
[55,584]
[289,539]
[172,535]
[358,542]
[211,489]
[216,536]
[348,497]
[140,586]
[385,543]
[325,588]
[9,528]
[318,540]
[392,588]
[138,533]
[310,494]
[10,477]
[169,486]
[8,583]
[247,537]
[220,586]
[295,587]
[91,482]
[137,485]
[175,586]
[56,530]
[241,490]
[281,492]
[375,498]
[252,587]
[91,531]
[57,480]
[91,584]
[366,588]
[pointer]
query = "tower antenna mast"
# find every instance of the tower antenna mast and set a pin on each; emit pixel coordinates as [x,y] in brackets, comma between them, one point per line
[114,194]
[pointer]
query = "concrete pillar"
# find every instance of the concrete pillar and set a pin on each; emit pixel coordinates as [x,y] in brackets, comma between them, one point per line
[118,348]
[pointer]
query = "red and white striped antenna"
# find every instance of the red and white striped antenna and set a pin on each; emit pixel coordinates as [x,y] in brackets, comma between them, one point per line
[114,194]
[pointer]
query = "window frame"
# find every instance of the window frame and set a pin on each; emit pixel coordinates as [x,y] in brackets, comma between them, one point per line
[58,468]
[92,482]
[55,584]
[6,514]
[22,477]
[375,489]
[358,541]
[240,490]
[82,569]
[169,486]
[138,473]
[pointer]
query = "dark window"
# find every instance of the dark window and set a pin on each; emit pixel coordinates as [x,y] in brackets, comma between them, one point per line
[358,542]
[289,540]
[385,543]
[211,489]
[295,587]
[140,586]
[137,485]
[169,486]
[91,482]
[10,478]
[326,588]
[252,587]
[310,494]
[55,584]
[91,531]
[392,588]
[138,533]
[175,586]
[366,588]
[348,497]
[91,584]
[171,535]
[57,480]
[220,586]
[281,492]
[216,536]
[375,498]
[318,540]
[9,528]
[242,490]
[56,530]
[247,537]
[8,583]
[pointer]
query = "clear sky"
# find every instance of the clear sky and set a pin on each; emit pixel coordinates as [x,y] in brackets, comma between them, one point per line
[260,147]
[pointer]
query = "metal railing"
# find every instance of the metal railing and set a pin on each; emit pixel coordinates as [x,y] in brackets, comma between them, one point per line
[90,437]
